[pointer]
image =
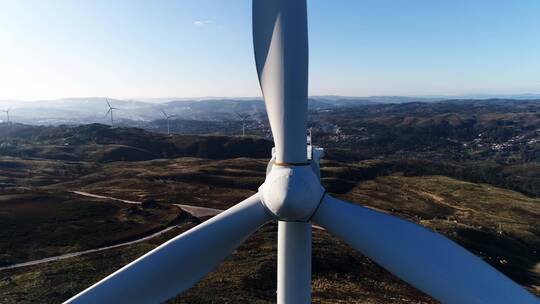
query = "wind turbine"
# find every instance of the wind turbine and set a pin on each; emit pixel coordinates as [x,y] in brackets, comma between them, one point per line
[292,194]
[7,115]
[243,118]
[110,111]
[167,117]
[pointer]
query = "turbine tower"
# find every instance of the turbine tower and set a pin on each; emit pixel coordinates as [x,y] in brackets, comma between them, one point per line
[293,195]
[7,115]
[110,111]
[243,118]
[167,117]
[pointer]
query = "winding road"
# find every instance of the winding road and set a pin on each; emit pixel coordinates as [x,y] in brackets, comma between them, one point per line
[105,197]
[199,212]
[79,253]
[193,210]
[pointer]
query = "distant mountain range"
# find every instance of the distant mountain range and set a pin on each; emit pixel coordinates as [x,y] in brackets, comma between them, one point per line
[133,112]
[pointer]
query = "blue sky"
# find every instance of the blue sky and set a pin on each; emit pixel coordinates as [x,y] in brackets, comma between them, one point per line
[193,48]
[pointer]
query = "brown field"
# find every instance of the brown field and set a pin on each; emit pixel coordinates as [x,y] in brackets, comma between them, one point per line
[500,225]
[36,225]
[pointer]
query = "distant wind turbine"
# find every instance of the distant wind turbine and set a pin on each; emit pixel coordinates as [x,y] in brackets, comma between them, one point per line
[167,117]
[110,111]
[7,115]
[243,117]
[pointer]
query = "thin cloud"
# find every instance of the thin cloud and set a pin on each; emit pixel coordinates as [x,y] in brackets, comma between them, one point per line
[202,23]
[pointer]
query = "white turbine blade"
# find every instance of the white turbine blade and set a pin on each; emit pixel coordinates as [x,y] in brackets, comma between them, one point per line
[108,112]
[419,256]
[107,100]
[179,263]
[280,40]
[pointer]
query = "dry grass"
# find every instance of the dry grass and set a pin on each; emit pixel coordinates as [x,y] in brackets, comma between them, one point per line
[35,225]
[498,224]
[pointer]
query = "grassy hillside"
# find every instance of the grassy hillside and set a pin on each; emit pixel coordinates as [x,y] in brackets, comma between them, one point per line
[39,224]
[101,143]
[472,200]
[500,225]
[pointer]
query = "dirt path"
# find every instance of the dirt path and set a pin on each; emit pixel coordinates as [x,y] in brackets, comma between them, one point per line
[79,253]
[199,212]
[194,210]
[441,201]
[105,197]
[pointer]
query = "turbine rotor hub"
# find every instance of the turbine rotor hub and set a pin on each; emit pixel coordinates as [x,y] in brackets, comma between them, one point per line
[291,193]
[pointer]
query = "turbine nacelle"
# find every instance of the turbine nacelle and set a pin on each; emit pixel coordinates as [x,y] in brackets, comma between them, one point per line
[291,193]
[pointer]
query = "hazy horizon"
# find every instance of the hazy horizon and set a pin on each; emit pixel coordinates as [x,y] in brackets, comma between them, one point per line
[193,98]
